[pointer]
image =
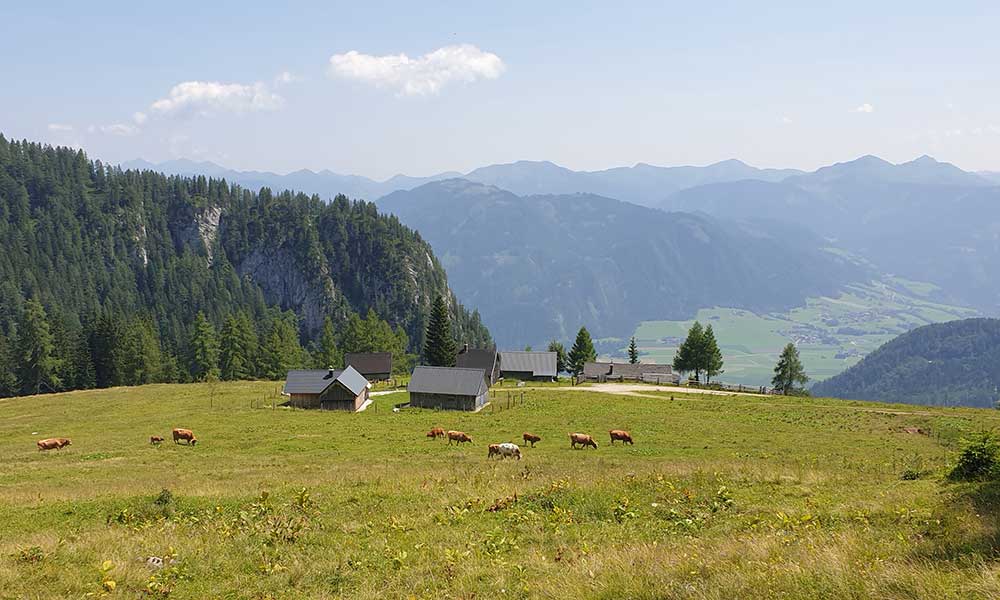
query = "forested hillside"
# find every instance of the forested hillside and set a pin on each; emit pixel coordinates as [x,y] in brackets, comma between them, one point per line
[538,267]
[947,364]
[119,277]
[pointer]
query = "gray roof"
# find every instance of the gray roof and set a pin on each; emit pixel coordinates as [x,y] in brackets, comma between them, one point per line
[447,380]
[315,381]
[369,362]
[636,371]
[539,364]
[596,369]
[477,358]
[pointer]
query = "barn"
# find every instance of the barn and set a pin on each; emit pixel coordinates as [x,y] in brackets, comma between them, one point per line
[327,389]
[374,366]
[449,388]
[486,359]
[651,372]
[528,366]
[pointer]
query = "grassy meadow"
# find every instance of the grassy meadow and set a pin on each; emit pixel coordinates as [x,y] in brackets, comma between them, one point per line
[720,497]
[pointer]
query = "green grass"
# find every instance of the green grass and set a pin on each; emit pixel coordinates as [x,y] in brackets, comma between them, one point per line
[721,497]
[831,333]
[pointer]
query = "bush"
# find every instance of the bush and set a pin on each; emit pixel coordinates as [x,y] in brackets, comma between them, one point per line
[977,459]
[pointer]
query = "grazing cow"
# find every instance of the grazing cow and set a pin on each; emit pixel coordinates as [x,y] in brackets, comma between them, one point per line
[507,449]
[530,438]
[582,439]
[53,444]
[621,435]
[435,433]
[184,434]
[492,450]
[458,437]
[155,439]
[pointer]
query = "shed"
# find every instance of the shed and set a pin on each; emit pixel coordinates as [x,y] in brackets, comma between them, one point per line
[449,388]
[326,389]
[528,366]
[487,359]
[374,366]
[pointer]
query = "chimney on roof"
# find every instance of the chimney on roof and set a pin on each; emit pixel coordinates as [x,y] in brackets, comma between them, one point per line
[465,348]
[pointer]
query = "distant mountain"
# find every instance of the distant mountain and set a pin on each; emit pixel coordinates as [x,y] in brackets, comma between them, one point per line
[642,184]
[992,176]
[538,267]
[924,220]
[947,364]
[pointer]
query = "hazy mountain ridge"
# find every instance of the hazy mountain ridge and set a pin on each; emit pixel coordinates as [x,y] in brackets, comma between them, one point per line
[538,267]
[948,364]
[640,184]
[925,220]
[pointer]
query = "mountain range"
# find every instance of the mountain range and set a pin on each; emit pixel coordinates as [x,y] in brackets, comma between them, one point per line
[642,184]
[537,267]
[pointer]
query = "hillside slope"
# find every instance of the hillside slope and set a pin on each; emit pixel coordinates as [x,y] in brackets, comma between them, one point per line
[538,267]
[947,364]
[87,240]
[923,220]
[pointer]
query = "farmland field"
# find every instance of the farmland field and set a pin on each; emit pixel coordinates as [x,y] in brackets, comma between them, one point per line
[831,333]
[720,497]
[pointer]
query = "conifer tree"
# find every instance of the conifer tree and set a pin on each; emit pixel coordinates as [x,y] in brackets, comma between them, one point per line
[281,349]
[8,380]
[204,350]
[561,359]
[439,345]
[633,352]
[789,371]
[107,351]
[238,348]
[37,366]
[582,352]
[711,356]
[688,356]
[327,354]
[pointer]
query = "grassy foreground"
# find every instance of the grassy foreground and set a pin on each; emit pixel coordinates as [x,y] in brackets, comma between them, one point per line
[721,497]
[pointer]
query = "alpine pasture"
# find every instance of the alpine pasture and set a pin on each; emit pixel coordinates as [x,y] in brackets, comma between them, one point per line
[720,497]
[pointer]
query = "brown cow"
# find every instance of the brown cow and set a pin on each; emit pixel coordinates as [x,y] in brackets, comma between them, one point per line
[53,444]
[621,435]
[582,439]
[530,438]
[458,437]
[184,434]
[435,433]
[493,450]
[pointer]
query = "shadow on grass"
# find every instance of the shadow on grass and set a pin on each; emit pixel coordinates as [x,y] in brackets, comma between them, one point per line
[966,527]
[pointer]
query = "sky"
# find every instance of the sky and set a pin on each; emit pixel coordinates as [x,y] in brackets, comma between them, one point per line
[420,88]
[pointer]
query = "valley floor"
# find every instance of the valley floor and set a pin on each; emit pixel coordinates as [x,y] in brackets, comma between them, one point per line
[722,496]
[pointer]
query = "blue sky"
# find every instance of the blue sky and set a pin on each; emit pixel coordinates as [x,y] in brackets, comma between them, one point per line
[283,86]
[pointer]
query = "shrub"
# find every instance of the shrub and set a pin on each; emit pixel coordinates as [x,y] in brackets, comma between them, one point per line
[977,459]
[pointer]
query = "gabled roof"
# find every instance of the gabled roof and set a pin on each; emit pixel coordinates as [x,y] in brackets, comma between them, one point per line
[369,362]
[315,381]
[477,358]
[596,369]
[539,364]
[447,380]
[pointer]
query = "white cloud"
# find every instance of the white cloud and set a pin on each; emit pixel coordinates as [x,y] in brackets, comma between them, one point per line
[60,127]
[121,129]
[139,117]
[420,76]
[207,97]
[286,77]
[865,108]
[786,120]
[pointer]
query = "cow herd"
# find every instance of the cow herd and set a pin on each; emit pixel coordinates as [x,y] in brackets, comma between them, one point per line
[178,434]
[508,449]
